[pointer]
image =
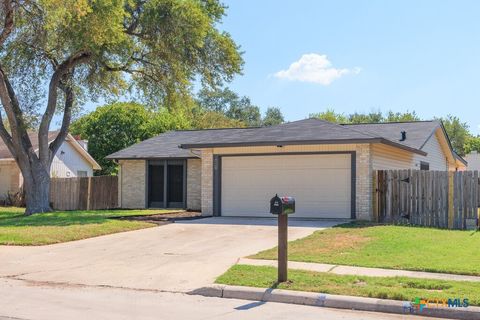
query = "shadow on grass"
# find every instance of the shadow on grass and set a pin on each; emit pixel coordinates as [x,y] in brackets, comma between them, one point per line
[58,219]
[357,225]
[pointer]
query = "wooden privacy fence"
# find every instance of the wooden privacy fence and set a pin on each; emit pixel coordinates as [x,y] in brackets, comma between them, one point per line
[427,198]
[85,193]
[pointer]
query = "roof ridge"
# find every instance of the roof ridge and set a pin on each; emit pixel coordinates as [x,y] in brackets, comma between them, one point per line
[213,129]
[342,126]
[391,122]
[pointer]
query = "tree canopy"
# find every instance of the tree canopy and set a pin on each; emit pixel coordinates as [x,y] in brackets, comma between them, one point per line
[235,107]
[57,54]
[457,131]
[116,126]
[371,117]
[273,116]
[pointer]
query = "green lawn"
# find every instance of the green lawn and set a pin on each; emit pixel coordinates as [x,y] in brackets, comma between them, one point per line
[396,288]
[392,247]
[62,226]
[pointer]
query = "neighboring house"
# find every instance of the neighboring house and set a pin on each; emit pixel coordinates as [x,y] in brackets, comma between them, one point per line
[234,172]
[71,160]
[473,159]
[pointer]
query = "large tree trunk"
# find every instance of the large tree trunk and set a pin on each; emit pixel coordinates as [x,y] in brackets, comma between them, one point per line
[36,184]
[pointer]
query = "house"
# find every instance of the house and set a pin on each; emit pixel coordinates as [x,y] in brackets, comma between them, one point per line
[71,160]
[234,172]
[473,159]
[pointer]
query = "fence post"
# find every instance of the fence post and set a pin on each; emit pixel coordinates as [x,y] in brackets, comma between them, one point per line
[375,195]
[89,191]
[450,198]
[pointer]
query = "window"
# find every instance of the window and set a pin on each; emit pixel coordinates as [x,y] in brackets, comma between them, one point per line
[81,173]
[424,165]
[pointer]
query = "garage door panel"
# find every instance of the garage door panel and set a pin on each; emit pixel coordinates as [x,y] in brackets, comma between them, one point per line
[320,184]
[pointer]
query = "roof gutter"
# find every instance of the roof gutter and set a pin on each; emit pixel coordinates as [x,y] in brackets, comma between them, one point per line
[304,142]
[461,159]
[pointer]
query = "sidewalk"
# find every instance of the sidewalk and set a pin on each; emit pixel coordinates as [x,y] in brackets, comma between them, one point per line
[360,271]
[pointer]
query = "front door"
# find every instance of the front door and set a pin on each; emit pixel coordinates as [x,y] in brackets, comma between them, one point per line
[175,185]
[166,184]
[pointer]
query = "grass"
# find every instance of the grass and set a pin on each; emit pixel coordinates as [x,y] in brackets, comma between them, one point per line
[62,226]
[392,247]
[395,288]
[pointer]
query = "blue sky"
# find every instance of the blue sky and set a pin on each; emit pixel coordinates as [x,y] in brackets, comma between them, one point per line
[359,56]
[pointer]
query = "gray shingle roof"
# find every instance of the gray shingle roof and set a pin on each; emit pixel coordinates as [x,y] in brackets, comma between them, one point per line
[5,153]
[417,132]
[166,145]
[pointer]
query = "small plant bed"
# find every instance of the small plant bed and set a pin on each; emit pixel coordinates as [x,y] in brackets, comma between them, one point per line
[388,246]
[395,288]
[63,226]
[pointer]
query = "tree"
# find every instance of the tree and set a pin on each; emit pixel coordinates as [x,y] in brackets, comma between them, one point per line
[331,116]
[119,125]
[457,131]
[57,54]
[230,104]
[273,116]
[220,100]
[472,144]
[401,117]
[214,120]
[372,117]
[246,112]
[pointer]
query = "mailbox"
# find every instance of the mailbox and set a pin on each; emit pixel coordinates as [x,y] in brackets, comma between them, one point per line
[282,205]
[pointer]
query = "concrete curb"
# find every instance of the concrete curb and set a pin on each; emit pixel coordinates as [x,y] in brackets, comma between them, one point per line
[333,301]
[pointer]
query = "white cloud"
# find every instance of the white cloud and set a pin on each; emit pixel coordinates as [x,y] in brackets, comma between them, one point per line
[315,68]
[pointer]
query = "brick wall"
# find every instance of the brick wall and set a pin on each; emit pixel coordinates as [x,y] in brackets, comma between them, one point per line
[194,184]
[207,182]
[364,182]
[132,184]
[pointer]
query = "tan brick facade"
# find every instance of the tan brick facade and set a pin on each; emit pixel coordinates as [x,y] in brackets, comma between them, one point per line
[207,182]
[131,181]
[200,176]
[194,184]
[364,182]
[11,178]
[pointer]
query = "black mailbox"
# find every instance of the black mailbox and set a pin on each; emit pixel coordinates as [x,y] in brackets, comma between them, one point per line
[282,205]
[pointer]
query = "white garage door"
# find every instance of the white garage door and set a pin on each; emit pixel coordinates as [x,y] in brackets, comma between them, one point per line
[321,184]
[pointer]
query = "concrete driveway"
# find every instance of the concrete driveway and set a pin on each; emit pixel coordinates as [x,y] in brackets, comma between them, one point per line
[178,257]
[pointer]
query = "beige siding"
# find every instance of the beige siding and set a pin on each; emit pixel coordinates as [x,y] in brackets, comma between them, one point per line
[436,157]
[10,178]
[389,158]
[473,160]
[194,177]
[68,162]
[132,184]
[288,148]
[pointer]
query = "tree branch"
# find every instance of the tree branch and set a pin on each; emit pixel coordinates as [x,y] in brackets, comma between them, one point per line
[18,140]
[9,19]
[67,116]
[63,68]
